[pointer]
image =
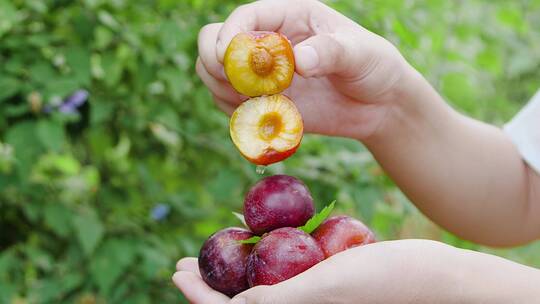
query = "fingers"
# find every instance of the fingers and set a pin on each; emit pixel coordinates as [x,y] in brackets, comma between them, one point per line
[188,264]
[305,288]
[207,50]
[221,89]
[265,15]
[195,290]
[224,106]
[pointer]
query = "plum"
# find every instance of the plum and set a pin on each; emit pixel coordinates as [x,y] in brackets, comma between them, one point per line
[339,233]
[280,255]
[266,129]
[277,201]
[259,63]
[223,260]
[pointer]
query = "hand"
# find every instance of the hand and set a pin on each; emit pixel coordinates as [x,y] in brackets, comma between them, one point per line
[407,271]
[347,77]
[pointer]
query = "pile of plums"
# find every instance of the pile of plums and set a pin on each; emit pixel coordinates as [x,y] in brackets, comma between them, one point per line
[274,208]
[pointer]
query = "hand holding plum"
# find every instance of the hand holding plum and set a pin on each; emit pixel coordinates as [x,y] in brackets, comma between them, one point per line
[346,77]
[350,82]
[405,271]
[335,264]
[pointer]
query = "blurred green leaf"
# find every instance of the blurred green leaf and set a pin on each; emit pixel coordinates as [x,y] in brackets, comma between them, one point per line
[78,59]
[61,86]
[7,292]
[8,16]
[52,290]
[512,16]
[58,218]
[22,137]
[110,262]
[50,134]
[89,230]
[153,261]
[9,86]
[404,33]
[458,88]
[42,72]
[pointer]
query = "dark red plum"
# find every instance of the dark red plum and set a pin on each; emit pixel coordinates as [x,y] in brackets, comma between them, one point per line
[339,233]
[277,201]
[280,255]
[223,260]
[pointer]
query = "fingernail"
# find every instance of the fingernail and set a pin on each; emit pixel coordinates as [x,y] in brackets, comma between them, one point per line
[238,301]
[306,58]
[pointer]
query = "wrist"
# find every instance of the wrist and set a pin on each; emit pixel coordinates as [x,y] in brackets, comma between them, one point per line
[414,112]
[491,279]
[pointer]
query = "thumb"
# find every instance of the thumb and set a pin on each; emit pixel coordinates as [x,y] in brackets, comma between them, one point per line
[321,55]
[344,54]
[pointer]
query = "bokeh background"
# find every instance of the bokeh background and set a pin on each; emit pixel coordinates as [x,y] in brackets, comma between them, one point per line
[114,162]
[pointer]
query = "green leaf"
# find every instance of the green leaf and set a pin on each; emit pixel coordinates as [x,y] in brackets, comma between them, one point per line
[460,90]
[8,16]
[100,111]
[65,163]
[57,217]
[7,292]
[78,59]
[9,86]
[23,139]
[112,69]
[251,240]
[240,217]
[42,73]
[110,262]
[89,230]
[177,81]
[8,260]
[61,86]
[153,261]
[103,37]
[108,19]
[225,185]
[317,219]
[50,134]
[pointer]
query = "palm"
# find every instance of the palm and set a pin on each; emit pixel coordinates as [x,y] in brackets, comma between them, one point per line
[326,110]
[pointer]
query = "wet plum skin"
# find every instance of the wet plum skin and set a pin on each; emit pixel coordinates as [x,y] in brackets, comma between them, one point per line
[282,254]
[339,233]
[277,201]
[223,260]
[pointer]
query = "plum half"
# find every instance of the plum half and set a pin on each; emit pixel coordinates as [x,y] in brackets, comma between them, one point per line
[280,255]
[259,63]
[277,201]
[223,260]
[267,129]
[339,233]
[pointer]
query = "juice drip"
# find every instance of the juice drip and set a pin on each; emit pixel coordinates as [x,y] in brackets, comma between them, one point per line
[260,169]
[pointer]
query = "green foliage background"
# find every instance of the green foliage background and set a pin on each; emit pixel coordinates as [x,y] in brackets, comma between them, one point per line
[77,191]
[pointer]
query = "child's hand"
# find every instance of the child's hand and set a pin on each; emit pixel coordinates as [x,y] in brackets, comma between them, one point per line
[347,76]
[408,271]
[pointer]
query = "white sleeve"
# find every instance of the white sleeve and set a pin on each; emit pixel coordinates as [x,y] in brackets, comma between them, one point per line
[524,131]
